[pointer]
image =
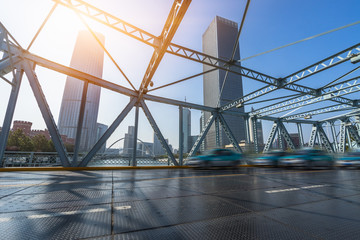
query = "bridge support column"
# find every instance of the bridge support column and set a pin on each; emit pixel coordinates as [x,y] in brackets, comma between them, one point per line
[342,133]
[254,133]
[181,136]
[217,132]
[133,161]
[10,113]
[247,130]
[333,133]
[301,136]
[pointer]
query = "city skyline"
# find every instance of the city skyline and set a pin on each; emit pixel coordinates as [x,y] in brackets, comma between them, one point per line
[279,27]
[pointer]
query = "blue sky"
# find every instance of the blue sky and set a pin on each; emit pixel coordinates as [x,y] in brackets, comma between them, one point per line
[269,24]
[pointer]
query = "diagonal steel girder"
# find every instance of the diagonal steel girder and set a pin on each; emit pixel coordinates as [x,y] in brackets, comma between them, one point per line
[158,132]
[229,133]
[202,135]
[84,162]
[288,81]
[330,93]
[176,14]
[324,139]
[46,113]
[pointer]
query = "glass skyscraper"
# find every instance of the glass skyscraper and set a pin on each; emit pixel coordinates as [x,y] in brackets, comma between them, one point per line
[88,57]
[218,41]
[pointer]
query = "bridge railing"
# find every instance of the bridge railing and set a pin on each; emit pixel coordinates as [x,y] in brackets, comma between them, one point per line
[31,159]
[51,159]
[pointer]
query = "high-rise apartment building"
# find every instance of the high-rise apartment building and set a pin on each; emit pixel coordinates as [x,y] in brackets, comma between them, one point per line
[88,56]
[218,41]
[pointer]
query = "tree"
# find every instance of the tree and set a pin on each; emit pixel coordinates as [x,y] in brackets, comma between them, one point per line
[41,144]
[18,141]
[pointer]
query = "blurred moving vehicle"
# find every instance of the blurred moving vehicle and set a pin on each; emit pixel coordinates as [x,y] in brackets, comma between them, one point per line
[349,159]
[215,158]
[270,158]
[307,158]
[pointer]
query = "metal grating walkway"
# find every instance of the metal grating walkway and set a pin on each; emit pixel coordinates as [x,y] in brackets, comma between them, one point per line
[248,203]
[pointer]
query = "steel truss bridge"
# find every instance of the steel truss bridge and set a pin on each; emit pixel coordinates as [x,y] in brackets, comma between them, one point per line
[19,61]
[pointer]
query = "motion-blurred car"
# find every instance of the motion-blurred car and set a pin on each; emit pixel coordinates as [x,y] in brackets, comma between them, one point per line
[307,158]
[349,159]
[215,158]
[270,158]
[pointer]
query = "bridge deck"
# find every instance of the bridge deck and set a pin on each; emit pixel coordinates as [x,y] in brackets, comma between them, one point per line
[249,203]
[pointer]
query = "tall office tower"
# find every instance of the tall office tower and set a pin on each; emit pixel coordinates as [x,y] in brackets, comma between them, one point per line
[187,130]
[88,56]
[129,141]
[218,41]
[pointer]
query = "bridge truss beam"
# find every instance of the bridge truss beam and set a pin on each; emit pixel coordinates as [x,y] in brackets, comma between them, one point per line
[288,81]
[332,92]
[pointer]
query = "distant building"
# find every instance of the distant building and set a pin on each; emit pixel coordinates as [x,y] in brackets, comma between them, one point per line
[88,56]
[24,126]
[157,147]
[147,149]
[44,132]
[218,41]
[129,141]
[295,137]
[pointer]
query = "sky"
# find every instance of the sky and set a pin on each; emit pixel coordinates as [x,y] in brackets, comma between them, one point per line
[268,24]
